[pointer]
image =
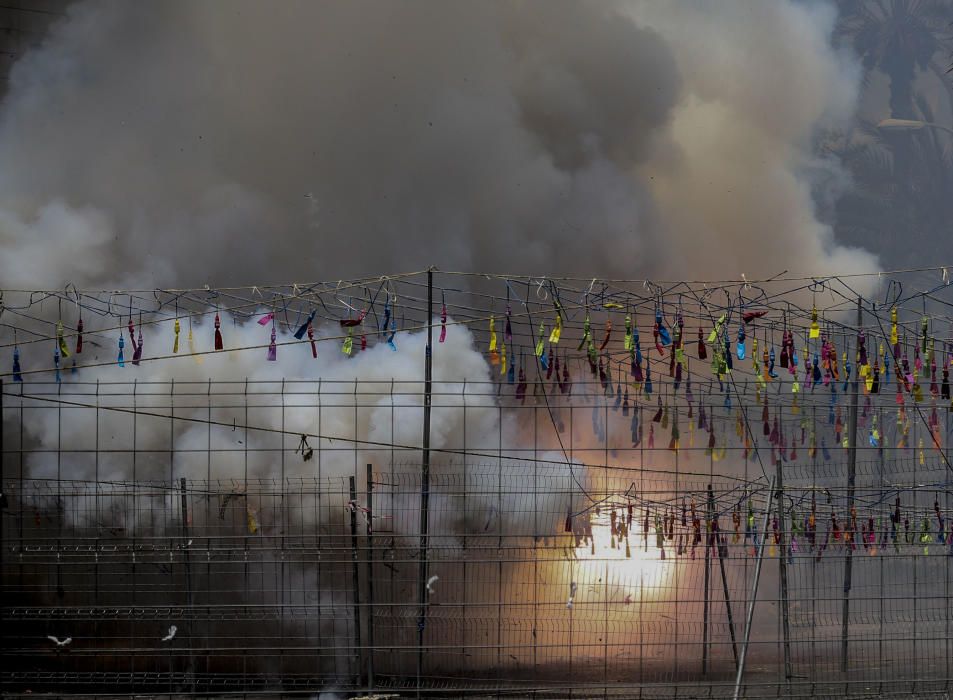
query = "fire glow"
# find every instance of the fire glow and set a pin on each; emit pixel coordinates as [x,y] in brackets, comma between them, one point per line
[609,553]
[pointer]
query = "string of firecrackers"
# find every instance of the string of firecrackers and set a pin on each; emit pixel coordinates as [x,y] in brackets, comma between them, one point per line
[722,361]
[777,434]
[313,291]
[683,531]
[797,533]
[253,304]
[309,295]
[348,325]
[708,284]
[298,294]
[387,331]
[774,432]
[822,369]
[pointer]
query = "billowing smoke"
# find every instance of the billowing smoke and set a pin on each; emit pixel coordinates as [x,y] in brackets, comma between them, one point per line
[241,430]
[365,409]
[149,142]
[237,141]
[156,144]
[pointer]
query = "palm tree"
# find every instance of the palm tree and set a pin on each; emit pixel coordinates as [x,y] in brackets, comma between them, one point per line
[899,37]
[904,216]
[900,204]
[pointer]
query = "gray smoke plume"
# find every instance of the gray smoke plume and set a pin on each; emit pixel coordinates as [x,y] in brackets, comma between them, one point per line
[157,144]
[241,141]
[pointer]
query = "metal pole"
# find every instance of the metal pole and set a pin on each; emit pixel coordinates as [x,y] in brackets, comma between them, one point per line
[190,671]
[425,484]
[946,586]
[782,563]
[707,589]
[724,585]
[3,629]
[754,593]
[356,578]
[851,479]
[370,578]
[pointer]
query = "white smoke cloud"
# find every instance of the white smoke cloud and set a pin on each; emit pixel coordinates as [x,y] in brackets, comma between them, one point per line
[356,420]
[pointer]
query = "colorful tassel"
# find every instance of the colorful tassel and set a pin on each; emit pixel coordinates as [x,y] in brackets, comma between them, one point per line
[391,342]
[557,331]
[131,327]
[586,333]
[750,316]
[494,354]
[137,352]
[272,346]
[387,314]
[298,334]
[605,341]
[314,347]
[17,377]
[61,341]
[348,322]
[219,345]
[663,334]
[198,358]
[443,322]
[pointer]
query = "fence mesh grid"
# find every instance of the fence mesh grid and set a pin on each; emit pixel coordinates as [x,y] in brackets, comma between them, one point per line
[178,553]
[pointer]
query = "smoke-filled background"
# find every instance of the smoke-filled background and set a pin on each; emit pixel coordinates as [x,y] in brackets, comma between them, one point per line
[174,142]
[181,143]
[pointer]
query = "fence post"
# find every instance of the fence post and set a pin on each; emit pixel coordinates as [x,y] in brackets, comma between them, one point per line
[370,578]
[184,500]
[754,592]
[851,479]
[352,507]
[724,582]
[425,485]
[782,564]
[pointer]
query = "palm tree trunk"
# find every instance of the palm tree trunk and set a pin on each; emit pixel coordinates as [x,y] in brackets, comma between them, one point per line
[901,76]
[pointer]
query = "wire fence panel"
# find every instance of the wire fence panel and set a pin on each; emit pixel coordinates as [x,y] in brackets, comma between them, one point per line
[226,538]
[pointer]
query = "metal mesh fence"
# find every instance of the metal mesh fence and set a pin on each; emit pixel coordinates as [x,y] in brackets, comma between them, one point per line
[167,541]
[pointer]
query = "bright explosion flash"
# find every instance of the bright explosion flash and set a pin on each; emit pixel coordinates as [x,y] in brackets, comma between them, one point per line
[613,557]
